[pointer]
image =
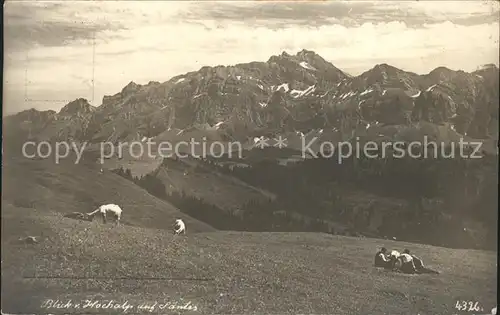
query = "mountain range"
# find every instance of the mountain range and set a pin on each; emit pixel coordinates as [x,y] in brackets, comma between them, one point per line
[289,95]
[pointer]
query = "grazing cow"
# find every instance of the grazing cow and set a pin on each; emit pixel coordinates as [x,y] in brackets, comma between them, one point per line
[179,227]
[104,210]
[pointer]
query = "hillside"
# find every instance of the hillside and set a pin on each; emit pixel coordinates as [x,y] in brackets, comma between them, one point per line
[194,178]
[438,201]
[237,272]
[445,202]
[217,271]
[44,186]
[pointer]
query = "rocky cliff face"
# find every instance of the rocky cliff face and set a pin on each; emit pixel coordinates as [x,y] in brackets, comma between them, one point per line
[300,92]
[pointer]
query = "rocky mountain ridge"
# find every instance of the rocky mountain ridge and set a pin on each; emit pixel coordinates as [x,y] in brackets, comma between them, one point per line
[288,93]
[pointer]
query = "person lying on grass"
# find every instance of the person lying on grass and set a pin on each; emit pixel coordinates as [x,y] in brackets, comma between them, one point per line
[405,263]
[419,264]
[411,264]
[393,258]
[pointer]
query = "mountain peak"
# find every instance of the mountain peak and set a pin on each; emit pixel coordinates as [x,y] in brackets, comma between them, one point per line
[385,67]
[285,54]
[78,106]
[380,70]
[441,70]
[302,55]
[305,52]
[130,87]
[488,66]
[34,115]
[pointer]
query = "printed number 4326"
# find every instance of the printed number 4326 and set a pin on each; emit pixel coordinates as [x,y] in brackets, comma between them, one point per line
[469,306]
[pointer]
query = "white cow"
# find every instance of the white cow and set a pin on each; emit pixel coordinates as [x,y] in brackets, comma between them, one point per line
[180,227]
[104,210]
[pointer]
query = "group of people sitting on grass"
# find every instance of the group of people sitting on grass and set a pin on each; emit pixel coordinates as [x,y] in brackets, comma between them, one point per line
[405,262]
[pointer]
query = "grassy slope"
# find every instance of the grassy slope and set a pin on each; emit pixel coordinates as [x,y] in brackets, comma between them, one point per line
[66,187]
[140,164]
[213,187]
[250,272]
[224,191]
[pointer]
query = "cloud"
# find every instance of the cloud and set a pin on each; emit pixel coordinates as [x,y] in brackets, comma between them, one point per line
[347,13]
[28,25]
[153,41]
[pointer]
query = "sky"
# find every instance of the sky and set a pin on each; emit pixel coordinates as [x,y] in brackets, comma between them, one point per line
[56,52]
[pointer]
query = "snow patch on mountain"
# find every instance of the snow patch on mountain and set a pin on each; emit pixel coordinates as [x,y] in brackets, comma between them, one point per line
[307,66]
[346,95]
[217,125]
[431,87]
[299,93]
[366,92]
[285,87]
